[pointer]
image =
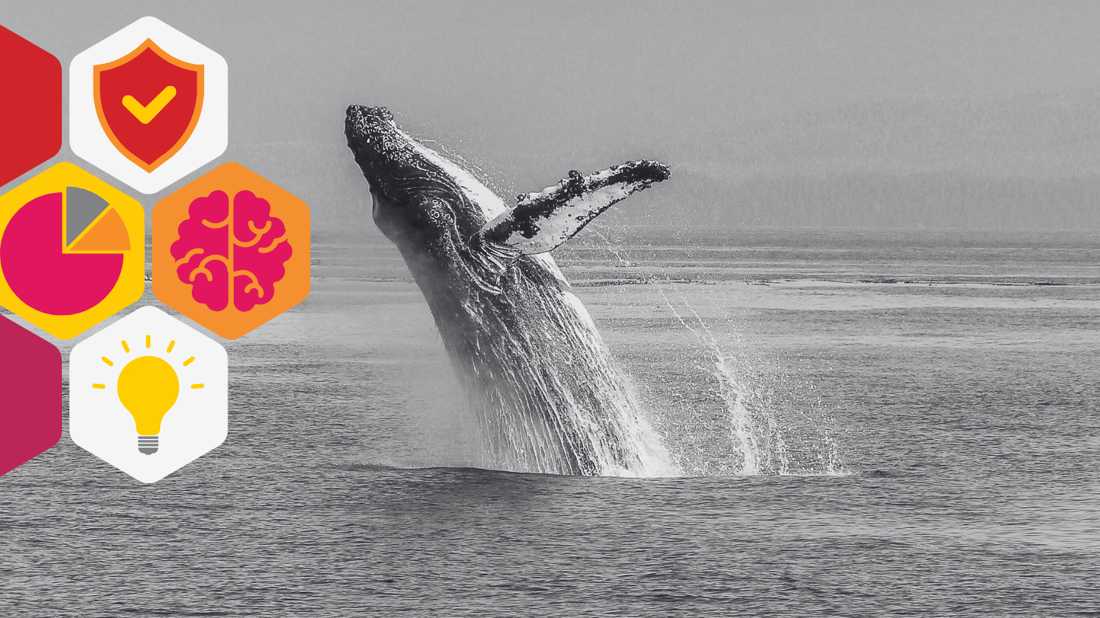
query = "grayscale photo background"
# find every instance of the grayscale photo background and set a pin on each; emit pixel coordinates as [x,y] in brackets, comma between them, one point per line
[862,315]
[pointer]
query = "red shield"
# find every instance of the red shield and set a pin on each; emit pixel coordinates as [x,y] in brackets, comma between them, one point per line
[148,103]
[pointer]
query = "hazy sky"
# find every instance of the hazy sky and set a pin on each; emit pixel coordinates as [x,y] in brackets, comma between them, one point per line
[525,77]
[524,72]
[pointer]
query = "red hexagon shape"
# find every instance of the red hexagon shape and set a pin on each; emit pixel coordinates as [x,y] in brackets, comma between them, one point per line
[30,395]
[30,109]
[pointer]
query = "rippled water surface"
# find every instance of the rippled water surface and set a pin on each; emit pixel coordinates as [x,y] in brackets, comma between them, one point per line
[867,423]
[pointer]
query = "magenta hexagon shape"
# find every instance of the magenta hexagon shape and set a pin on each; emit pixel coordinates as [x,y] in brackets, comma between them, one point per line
[30,395]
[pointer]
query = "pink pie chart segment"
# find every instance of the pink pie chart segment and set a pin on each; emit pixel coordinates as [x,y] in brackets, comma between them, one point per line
[38,271]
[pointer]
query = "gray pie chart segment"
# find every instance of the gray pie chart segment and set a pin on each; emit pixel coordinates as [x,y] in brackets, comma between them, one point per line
[82,207]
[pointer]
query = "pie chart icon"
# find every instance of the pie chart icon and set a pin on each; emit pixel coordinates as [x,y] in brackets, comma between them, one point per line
[72,250]
[62,253]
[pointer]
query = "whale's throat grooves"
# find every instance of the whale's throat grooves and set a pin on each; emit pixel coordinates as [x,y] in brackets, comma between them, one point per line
[547,394]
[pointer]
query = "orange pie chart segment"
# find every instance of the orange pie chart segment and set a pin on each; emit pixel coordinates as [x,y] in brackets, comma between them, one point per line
[43,275]
[108,234]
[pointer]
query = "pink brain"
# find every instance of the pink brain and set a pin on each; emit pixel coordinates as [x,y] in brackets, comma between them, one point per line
[231,253]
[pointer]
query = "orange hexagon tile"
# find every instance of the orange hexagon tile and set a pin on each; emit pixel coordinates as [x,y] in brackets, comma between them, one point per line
[231,250]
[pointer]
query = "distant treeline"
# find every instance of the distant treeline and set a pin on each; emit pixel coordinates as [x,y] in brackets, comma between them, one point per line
[883,200]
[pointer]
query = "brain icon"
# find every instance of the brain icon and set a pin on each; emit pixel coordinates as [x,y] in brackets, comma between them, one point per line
[231,253]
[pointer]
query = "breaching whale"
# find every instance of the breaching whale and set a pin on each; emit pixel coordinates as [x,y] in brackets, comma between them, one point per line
[548,395]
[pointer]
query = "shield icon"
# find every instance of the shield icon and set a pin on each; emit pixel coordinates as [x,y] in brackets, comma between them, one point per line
[148,103]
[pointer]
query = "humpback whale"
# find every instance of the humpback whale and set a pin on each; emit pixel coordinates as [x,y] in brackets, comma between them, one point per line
[547,394]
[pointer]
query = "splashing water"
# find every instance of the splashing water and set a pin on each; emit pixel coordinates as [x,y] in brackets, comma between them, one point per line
[756,430]
[757,433]
[611,248]
[550,398]
[545,390]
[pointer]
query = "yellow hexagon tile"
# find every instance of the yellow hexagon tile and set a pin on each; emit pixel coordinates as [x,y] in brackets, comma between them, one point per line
[72,250]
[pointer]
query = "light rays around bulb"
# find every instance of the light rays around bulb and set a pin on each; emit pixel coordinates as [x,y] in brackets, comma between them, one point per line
[148,346]
[139,392]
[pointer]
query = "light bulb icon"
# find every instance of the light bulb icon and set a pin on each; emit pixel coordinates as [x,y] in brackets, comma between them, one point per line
[149,377]
[148,388]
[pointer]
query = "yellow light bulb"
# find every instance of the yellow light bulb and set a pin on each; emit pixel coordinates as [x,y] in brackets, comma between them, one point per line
[148,388]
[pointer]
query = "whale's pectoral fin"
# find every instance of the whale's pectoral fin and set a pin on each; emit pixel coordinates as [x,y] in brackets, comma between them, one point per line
[542,221]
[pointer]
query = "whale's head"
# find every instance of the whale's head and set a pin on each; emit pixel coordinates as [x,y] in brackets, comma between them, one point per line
[414,198]
[418,202]
[381,151]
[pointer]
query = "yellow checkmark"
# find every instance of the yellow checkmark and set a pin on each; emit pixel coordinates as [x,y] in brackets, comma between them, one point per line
[146,113]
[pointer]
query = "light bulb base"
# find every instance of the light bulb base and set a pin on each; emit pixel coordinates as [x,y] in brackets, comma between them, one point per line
[148,444]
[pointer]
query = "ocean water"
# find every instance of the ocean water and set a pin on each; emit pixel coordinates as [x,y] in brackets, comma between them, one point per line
[865,423]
